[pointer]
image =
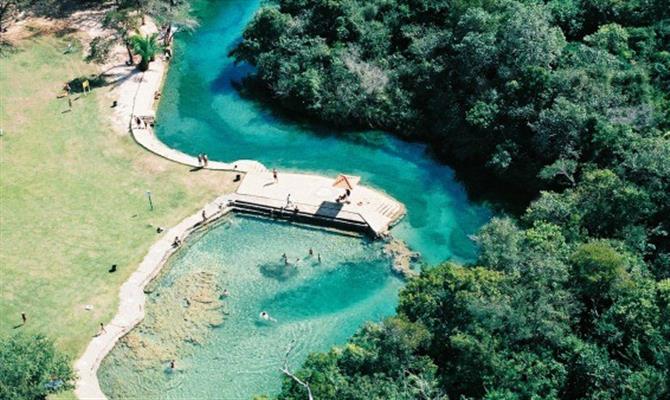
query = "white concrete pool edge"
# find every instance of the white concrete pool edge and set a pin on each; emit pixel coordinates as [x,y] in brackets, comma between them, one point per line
[132,298]
[142,105]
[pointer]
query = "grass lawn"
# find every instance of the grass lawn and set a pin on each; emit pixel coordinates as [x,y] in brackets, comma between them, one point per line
[72,197]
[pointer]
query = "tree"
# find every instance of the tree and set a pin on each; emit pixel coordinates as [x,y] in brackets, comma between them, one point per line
[31,368]
[125,22]
[561,303]
[172,15]
[9,8]
[146,47]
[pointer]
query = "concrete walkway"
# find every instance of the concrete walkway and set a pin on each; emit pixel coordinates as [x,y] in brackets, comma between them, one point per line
[142,105]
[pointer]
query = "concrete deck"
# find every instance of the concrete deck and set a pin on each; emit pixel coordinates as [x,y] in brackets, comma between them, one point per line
[315,195]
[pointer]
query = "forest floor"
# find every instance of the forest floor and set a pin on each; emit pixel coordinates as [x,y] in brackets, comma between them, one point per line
[73,193]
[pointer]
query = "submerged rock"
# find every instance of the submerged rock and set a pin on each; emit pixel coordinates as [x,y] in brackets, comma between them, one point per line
[181,317]
[401,257]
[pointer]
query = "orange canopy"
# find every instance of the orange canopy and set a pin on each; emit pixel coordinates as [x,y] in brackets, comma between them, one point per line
[346,181]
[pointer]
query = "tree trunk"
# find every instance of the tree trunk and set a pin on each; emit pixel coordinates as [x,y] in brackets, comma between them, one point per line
[144,64]
[4,11]
[168,35]
[130,53]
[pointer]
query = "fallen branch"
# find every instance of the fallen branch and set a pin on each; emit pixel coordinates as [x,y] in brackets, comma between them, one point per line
[288,373]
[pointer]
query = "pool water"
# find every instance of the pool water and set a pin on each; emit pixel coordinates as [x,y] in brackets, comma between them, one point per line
[317,305]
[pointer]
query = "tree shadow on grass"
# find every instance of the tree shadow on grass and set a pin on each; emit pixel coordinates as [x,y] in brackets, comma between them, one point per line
[7,48]
[95,81]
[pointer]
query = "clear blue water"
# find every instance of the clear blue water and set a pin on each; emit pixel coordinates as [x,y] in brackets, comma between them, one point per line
[317,305]
[201,111]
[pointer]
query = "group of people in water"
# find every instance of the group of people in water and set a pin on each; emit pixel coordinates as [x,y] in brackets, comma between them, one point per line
[297,260]
[264,316]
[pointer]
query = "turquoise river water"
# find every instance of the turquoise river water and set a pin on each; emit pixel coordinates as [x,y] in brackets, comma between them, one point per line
[317,305]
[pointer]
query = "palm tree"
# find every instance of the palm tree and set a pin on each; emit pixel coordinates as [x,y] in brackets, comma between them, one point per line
[146,47]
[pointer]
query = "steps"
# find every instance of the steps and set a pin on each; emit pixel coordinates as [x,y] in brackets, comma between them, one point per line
[390,210]
[266,210]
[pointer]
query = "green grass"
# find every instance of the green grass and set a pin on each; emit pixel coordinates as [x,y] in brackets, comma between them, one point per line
[72,198]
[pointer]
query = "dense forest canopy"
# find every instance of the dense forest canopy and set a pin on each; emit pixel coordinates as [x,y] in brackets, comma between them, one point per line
[568,100]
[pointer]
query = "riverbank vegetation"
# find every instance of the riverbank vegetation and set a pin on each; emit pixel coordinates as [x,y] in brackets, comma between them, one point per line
[565,100]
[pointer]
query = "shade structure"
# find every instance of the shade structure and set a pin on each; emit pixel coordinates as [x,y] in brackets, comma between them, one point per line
[346,181]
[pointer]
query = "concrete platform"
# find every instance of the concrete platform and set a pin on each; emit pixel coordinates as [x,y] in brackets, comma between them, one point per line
[314,195]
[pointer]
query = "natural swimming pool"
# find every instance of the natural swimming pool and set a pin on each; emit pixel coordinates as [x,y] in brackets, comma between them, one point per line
[201,111]
[239,355]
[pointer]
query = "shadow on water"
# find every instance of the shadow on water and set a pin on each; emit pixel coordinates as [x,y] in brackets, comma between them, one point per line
[230,78]
[339,289]
[278,270]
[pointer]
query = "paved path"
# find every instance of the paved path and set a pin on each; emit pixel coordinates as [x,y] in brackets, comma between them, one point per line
[145,86]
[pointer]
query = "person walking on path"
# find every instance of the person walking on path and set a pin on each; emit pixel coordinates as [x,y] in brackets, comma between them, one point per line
[205,160]
[288,200]
[102,329]
[199,159]
[274,175]
[204,216]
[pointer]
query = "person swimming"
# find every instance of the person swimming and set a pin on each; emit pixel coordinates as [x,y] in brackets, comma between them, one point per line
[266,317]
[226,293]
